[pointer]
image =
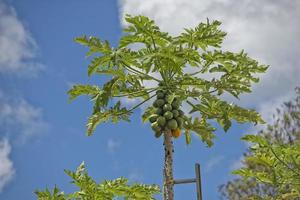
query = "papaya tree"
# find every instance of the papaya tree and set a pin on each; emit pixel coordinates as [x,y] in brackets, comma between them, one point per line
[178,68]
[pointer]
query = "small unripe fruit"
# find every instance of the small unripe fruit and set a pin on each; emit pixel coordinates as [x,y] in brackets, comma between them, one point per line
[172,124]
[175,113]
[167,107]
[168,115]
[160,102]
[179,121]
[159,111]
[160,95]
[175,104]
[161,121]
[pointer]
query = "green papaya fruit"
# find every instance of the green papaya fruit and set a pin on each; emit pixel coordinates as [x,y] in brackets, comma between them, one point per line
[172,124]
[175,104]
[175,113]
[160,102]
[168,115]
[160,95]
[159,111]
[167,107]
[161,121]
[179,121]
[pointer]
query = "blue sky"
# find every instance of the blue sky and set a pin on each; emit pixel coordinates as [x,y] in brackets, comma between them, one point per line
[41,133]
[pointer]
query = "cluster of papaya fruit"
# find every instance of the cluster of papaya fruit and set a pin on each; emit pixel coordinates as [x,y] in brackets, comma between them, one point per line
[167,116]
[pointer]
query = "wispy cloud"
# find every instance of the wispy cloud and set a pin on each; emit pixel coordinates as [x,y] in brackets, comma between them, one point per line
[18,51]
[7,170]
[135,176]
[20,119]
[113,145]
[17,47]
[212,163]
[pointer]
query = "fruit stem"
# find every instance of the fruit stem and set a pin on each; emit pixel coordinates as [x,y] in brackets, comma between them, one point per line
[136,106]
[136,92]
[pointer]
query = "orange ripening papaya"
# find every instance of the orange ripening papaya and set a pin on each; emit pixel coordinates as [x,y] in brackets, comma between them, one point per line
[176,133]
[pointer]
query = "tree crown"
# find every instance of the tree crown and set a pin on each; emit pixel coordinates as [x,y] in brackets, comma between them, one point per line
[177,65]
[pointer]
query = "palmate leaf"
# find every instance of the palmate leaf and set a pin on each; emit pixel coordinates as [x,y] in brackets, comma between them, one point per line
[100,61]
[238,70]
[114,114]
[78,90]
[204,130]
[142,29]
[257,139]
[203,36]
[131,39]
[214,108]
[95,45]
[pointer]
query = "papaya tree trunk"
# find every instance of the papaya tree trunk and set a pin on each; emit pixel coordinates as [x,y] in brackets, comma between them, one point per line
[168,167]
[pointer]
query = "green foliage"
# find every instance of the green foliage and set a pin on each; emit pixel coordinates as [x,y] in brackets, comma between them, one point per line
[204,35]
[177,64]
[272,165]
[56,194]
[278,165]
[108,190]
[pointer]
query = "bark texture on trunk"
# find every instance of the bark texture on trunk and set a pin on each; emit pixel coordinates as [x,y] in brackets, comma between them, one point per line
[168,167]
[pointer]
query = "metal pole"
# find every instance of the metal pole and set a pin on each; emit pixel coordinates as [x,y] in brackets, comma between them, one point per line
[198,181]
[181,181]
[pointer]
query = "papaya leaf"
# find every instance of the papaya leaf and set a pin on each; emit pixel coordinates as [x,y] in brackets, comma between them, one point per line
[115,114]
[78,90]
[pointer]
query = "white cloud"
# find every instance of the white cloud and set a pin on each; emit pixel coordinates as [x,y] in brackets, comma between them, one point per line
[213,162]
[7,170]
[18,119]
[21,119]
[17,47]
[268,108]
[265,29]
[135,176]
[113,145]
